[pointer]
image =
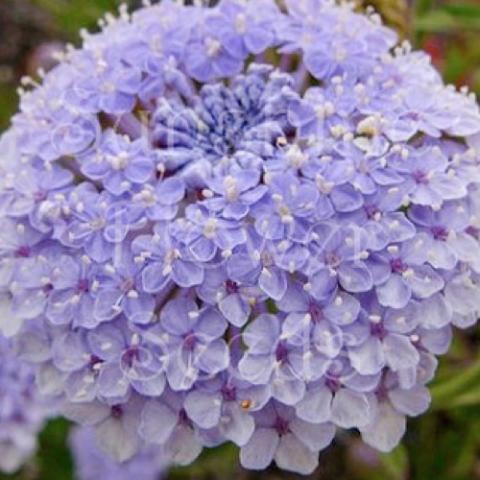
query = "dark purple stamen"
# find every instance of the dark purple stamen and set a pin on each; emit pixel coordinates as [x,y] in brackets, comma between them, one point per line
[231,287]
[127,285]
[183,418]
[440,233]
[199,195]
[281,426]
[333,260]
[39,196]
[94,360]
[371,210]
[189,341]
[116,411]
[316,313]
[333,384]
[130,356]
[398,266]
[281,352]
[23,252]
[474,232]
[381,393]
[83,286]
[420,177]
[378,330]
[229,393]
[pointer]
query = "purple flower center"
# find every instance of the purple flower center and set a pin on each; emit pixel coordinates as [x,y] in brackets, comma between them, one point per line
[130,355]
[371,210]
[39,196]
[127,285]
[116,411]
[199,195]
[333,383]
[281,352]
[382,393]
[398,266]
[190,341]
[267,259]
[183,418]
[440,233]
[23,252]
[83,286]
[414,116]
[333,260]
[231,287]
[473,231]
[420,177]
[94,360]
[316,313]
[229,393]
[378,330]
[281,426]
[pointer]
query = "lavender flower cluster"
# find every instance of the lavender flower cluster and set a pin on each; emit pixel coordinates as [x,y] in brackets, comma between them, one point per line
[92,464]
[241,223]
[22,411]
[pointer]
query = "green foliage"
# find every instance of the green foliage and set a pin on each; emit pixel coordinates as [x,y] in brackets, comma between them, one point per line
[450,17]
[53,458]
[452,28]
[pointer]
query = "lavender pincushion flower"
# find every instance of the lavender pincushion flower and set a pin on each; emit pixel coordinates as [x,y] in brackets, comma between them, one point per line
[245,223]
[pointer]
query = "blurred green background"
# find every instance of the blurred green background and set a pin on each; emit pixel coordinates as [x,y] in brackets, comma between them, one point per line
[443,444]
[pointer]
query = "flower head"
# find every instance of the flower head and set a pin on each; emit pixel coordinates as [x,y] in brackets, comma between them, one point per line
[242,223]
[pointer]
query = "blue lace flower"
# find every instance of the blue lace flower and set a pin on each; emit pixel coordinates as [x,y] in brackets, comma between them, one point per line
[242,223]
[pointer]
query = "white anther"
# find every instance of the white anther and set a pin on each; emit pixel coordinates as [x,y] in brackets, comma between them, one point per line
[213,47]
[392,249]
[193,314]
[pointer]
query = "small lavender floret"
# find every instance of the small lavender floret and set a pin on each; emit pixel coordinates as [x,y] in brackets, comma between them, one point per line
[91,463]
[22,410]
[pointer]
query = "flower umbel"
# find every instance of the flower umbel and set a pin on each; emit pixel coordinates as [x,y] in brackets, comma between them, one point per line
[242,223]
